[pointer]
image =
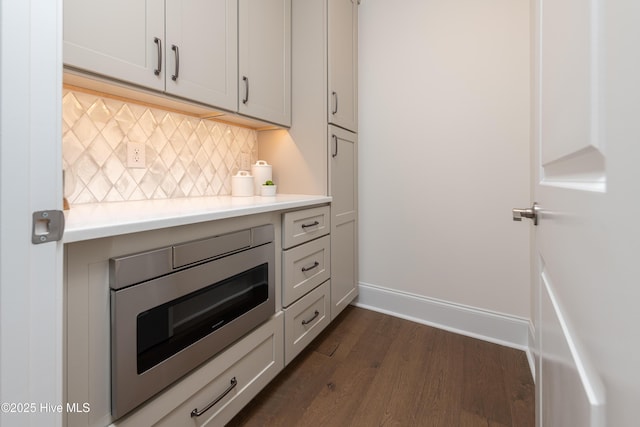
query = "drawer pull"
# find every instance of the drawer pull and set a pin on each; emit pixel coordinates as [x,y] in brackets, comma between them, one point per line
[313,224]
[315,314]
[315,265]
[196,413]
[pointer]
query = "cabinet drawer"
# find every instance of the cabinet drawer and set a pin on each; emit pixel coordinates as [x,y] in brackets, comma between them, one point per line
[252,362]
[305,319]
[305,267]
[301,226]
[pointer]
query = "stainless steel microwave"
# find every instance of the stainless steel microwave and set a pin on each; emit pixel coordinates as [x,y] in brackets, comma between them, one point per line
[175,307]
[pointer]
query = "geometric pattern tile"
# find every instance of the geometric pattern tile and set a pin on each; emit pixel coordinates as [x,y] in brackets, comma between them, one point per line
[185,156]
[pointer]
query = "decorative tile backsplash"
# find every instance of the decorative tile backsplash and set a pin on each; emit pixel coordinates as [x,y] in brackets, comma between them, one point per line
[185,156]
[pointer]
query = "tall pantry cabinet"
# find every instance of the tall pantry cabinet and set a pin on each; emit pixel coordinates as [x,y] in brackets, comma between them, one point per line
[342,39]
[318,154]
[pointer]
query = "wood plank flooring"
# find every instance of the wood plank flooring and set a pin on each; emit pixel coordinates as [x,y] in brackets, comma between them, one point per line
[370,369]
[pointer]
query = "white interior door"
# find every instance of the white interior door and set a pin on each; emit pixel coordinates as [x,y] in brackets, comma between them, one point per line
[30,180]
[584,134]
[570,189]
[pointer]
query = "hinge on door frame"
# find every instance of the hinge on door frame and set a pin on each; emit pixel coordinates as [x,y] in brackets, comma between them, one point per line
[48,226]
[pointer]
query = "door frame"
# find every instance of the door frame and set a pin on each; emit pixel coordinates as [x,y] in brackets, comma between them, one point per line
[31,285]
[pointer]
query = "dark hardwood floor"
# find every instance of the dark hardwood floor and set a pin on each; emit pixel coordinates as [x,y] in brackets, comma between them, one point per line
[371,369]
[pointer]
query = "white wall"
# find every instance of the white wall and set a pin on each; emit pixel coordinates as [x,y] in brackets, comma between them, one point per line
[444,150]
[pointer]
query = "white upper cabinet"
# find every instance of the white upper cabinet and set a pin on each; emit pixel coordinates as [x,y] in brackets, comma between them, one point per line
[342,34]
[264,85]
[122,39]
[201,53]
[230,55]
[188,49]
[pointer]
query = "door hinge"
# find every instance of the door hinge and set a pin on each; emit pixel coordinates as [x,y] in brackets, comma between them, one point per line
[48,226]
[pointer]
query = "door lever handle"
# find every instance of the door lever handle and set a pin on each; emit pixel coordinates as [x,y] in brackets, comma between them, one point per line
[531,213]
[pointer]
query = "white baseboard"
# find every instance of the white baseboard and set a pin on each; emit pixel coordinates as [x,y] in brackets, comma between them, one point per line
[510,331]
[531,348]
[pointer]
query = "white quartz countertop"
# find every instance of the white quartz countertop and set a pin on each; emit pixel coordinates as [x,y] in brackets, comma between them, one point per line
[93,221]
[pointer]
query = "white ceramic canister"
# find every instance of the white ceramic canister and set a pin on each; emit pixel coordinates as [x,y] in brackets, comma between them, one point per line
[242,184]
[261,172]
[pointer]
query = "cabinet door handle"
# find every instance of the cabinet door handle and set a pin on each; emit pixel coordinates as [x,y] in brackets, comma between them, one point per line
[335,102]
[334,151]
[158,43]
[313,224]
[315,314]
[196,413]
[314,265]
[174,48]
[245,79]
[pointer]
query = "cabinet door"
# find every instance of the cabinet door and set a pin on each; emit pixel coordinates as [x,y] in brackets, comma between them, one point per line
[116,38]
[343,187]
[201,51]
[264,86]
[343,63]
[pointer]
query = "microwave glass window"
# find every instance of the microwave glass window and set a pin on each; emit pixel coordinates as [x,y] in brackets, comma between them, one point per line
[165,330]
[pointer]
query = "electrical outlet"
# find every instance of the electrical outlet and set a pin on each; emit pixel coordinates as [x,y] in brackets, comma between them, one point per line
[136,155]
